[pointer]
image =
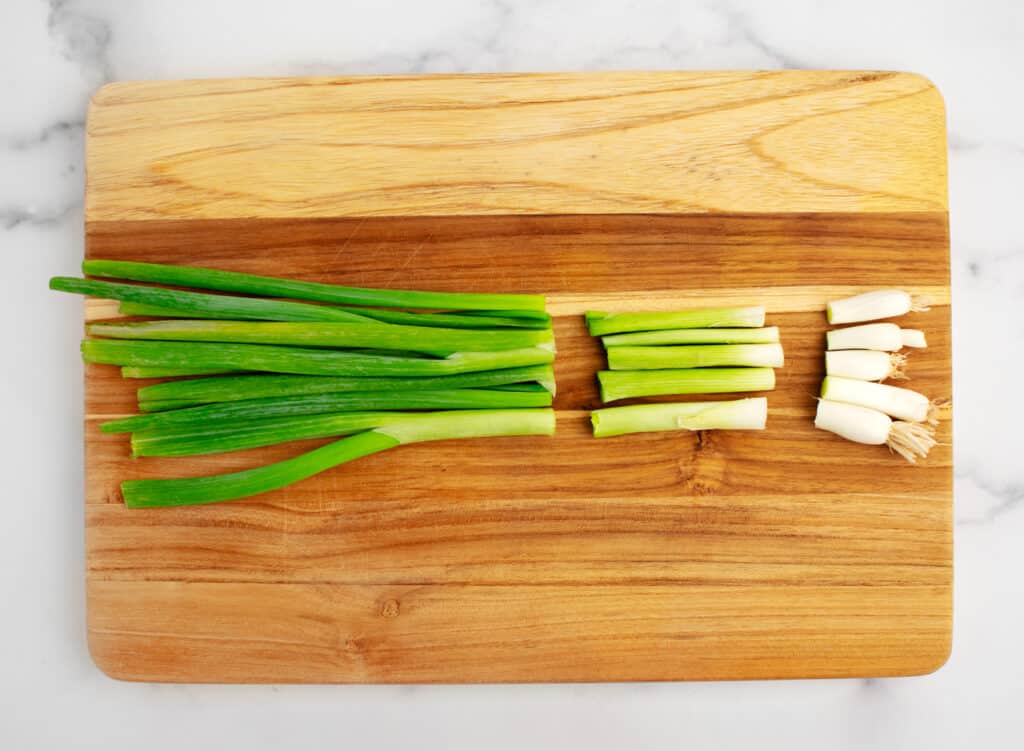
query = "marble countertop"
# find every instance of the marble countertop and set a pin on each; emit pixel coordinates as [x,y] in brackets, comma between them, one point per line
[53,55]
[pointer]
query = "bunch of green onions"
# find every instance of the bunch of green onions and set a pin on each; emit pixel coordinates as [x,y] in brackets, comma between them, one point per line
[854,403]
[284,360]
[706,351]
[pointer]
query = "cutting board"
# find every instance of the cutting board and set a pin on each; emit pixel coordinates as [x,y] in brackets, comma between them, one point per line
[714,555]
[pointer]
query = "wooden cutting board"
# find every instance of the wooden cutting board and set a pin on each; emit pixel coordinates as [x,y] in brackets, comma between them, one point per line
[717,555]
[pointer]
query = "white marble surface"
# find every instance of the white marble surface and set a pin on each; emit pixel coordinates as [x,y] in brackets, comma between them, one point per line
[52,56]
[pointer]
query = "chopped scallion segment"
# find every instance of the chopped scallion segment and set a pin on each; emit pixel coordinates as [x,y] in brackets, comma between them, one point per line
[865,364]
[884,337]
[767,335]
[601,323]
[741,414]
[897,402]
[911,440]
[870,306]
[695,356]
[624,384]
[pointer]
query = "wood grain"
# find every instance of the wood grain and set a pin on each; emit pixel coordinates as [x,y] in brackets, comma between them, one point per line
[540,144]
[720,555]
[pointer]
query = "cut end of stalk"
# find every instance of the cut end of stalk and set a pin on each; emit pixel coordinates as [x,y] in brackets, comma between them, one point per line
[920,303]
[937,410]
[897,365]
[911,440]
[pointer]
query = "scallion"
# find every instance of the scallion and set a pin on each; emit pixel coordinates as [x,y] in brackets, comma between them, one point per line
[897,402]
[382,336]
[204,304]
[301,361]
[911,440]
[624,384]
[884,337]
[450,320]
[410,429]
[218,437]
[766,335]
[741,414]
[252,284]
[870,306]
[695,356]
[865,364]
[312,404]
[236,388]
[600,323]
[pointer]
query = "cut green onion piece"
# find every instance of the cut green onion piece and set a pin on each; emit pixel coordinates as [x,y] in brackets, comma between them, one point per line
[870,306]
[741,414]
[892,400]
[695,356]
[131,372]
[911,440]
[766,335]
[623,384]
[230,281]
[433,341]
[865,364]
[201,303]
[275,359]
[451,320]
[884,337]
[429,427]
[218,437]
[236,388]
[601,323]
[256,409]
[913,338]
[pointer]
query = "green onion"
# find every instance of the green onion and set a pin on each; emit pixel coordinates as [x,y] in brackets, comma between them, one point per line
[218,437]
[601,323]
[277,359]
[870,306]
[230,281]
[885,337]
[897,402]
[767,335]
[911,440]
[131,372]
[450,320]
[694,356]
[387,336]
[624,384]
[254,409]
[411,429]
[201,303]
[865,364]
[741,414]
[236,388]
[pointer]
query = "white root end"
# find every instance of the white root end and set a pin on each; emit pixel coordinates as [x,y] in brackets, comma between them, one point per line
[911,440]
[897,363]
[920,304]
